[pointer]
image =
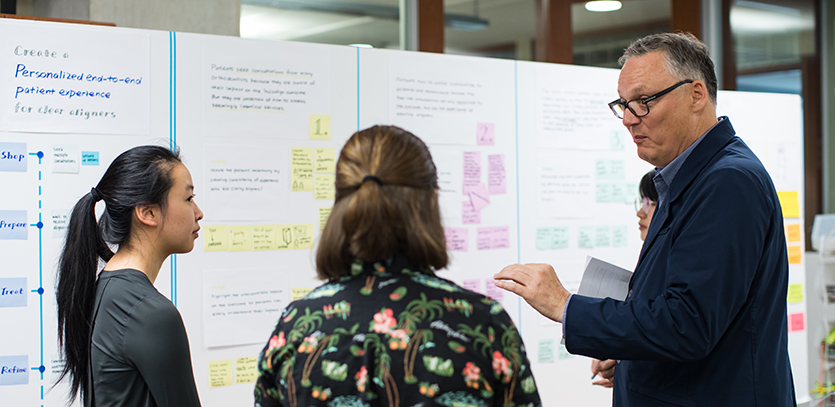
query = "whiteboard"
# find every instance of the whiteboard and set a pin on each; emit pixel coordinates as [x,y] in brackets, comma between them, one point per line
[532,167]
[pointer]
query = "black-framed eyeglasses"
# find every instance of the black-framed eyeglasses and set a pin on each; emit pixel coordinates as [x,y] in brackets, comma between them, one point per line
[639,107]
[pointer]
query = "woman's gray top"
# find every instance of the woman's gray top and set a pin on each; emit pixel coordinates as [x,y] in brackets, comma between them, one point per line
[140,354]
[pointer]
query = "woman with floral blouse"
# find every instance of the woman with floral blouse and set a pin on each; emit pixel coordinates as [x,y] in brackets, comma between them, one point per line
[384,330]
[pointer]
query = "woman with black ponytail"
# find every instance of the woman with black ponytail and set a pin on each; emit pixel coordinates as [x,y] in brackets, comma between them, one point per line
[125,343]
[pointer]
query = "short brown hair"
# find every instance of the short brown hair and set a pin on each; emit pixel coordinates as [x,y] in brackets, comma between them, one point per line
[398,212]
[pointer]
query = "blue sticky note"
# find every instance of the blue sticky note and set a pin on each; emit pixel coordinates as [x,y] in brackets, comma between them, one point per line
[14,370]
[90,158]
[13,292]
[13,157]
[13,225]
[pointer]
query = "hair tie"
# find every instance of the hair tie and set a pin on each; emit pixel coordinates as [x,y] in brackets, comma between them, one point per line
[371,178]
[95,194]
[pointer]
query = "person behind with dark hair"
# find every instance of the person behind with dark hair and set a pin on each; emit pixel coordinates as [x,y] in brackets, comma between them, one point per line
[704,322]
[645,205]
[124,343]
[383,329]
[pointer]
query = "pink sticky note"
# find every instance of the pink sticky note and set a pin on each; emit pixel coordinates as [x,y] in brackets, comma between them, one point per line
[472,170]
[492,291]
[457,239]
[469,215]
[796,322]
[485,134]
[479,197]
[496,174]
[472,285]
[497,237]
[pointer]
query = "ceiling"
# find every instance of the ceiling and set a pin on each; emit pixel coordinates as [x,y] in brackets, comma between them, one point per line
[765,31]
[510,21]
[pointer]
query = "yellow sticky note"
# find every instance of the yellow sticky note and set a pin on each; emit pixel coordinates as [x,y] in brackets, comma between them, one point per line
[324,214]
[246,370]
[793,233]
[214,238]
[301,169]
[325,160]
[795,293]
[324,187]
[298,293]
[221,373]
[240,238]
[320,127]
[794,255]
[295,237]
[264,238]
[789,203]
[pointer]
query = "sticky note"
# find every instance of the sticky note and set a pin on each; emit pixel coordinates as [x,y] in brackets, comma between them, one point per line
[795,293]
[295,237]
[13,292]
[619,236]
[616,141]
[221,373]
[65,158]
[301,169]
[13,157]
[551,238]
[240,238]
[610,169]
[15,225]
[297,293]
[793,233]
[325,160]
[246,370]
[485,134]
[585,237]
[547,351]
[472,285]
[264,238]
[479,197]
[324,214]
[14,370]
[492,291]
[796,322]
[789,203]
[795,255]
[320,127]
[469,215]
[472,170]
[497,237]
[457,239]
[324,187]
[562,352]
[90,158]
[602,236]
[496,176]
[214,238]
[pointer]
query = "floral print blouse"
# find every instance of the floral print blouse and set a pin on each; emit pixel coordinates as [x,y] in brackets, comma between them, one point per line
[393,335]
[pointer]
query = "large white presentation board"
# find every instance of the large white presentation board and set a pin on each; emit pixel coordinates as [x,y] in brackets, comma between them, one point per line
[533,167]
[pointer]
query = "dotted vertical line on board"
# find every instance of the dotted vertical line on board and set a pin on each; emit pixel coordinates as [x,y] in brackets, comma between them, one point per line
[41,369]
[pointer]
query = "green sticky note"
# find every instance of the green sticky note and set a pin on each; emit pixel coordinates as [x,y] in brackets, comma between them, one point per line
[795,293]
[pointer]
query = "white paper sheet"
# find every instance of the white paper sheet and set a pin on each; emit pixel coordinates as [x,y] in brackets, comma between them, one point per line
[80,83]
[245,182]
[242,306]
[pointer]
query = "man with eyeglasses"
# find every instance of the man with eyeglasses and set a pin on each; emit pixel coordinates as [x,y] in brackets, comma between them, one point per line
[704,323]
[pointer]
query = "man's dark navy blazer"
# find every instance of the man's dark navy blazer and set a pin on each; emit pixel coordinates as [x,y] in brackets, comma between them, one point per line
[705,320]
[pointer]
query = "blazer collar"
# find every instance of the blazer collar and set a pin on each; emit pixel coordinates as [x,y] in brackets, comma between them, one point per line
[715,139]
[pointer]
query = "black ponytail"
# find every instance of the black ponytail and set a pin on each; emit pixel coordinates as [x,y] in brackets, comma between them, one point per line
[141,175]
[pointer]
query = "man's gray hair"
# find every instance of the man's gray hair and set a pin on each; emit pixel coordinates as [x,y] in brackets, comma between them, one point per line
[686,57]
